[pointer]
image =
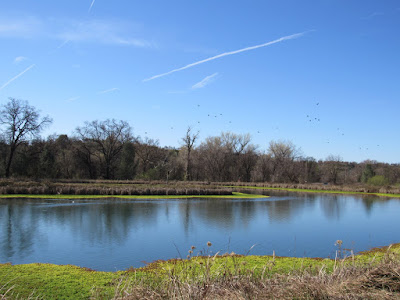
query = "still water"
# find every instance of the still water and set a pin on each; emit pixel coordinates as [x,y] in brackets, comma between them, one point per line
[111,235]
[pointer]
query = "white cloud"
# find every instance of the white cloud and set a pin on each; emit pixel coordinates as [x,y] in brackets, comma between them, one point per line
[17,76]
[70,30]
[101,31]
[205,81]
[19,59]
[26,27]
[109,91]
[284,38]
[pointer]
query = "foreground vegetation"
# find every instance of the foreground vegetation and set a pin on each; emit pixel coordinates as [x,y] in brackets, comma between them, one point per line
[371,275]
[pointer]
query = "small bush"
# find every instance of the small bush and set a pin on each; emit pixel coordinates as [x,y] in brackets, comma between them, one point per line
[378,180]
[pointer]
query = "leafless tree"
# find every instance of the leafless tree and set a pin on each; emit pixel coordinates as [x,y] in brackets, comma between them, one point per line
[284,155]
[108,138]
[214,158]
[332,168]
[263,168]
[228,157]
[188,143]
[20,123]
[149,154]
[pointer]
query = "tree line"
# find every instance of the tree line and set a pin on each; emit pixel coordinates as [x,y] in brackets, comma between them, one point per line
[108,149]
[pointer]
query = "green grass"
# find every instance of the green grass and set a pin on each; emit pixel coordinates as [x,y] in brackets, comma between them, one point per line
[49,281]
[234,195]
[313,191]
[55,282]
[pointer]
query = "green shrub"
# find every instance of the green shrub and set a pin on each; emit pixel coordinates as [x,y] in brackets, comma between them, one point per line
[378,180]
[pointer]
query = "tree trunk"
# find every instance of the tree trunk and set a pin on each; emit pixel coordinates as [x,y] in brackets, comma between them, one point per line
[8,167]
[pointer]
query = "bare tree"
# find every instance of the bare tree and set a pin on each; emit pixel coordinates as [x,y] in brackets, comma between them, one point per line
[108,138]
[284,155]
[235,143]
[332,167]
[188,142]
[214,158]
[21,122]
[263,167]
[149,154]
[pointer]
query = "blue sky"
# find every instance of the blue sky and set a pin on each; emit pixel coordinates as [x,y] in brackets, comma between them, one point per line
[329,81]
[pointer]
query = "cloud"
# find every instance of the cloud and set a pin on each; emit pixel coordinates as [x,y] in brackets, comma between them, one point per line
[284,38]
[26,27]
[17,76]
[109,91]
[19,59]
[205,81]
[113,32]
[101,31]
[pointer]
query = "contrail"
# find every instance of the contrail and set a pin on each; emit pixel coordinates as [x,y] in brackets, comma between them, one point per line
[204,82]
[20,74]
[109,91]
[288,37]
[91,5]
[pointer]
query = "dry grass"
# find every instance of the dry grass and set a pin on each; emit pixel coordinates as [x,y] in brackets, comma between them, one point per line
[353,188]
[371,281]
[98,187]
[141,187]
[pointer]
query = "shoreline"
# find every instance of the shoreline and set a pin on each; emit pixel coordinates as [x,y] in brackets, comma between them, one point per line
[312,191]
[235,195]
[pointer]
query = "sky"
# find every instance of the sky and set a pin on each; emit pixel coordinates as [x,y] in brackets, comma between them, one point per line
[323,74]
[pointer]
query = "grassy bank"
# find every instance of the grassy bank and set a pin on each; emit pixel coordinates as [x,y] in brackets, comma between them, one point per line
[109,188]
[305,190]
[233,195]
[147,189]
[374,275]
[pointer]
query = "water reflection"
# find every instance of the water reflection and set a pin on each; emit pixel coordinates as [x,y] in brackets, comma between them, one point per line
[18,229]
[112,234]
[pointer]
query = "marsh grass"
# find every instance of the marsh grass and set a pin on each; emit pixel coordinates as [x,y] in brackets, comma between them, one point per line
[109,188]
[388,191]
[162,188]
[208,275]
[231,276]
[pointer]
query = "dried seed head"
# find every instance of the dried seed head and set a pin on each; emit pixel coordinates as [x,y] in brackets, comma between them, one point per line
[209,244]
[190,251]
[193,247]
[339,243]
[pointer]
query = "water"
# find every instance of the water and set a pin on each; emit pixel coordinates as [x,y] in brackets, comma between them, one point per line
[111,235]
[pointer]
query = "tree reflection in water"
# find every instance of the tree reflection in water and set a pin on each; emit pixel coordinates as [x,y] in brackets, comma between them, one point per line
[114,234]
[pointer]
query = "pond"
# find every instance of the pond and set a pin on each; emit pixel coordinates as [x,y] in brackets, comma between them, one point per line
[111,235]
